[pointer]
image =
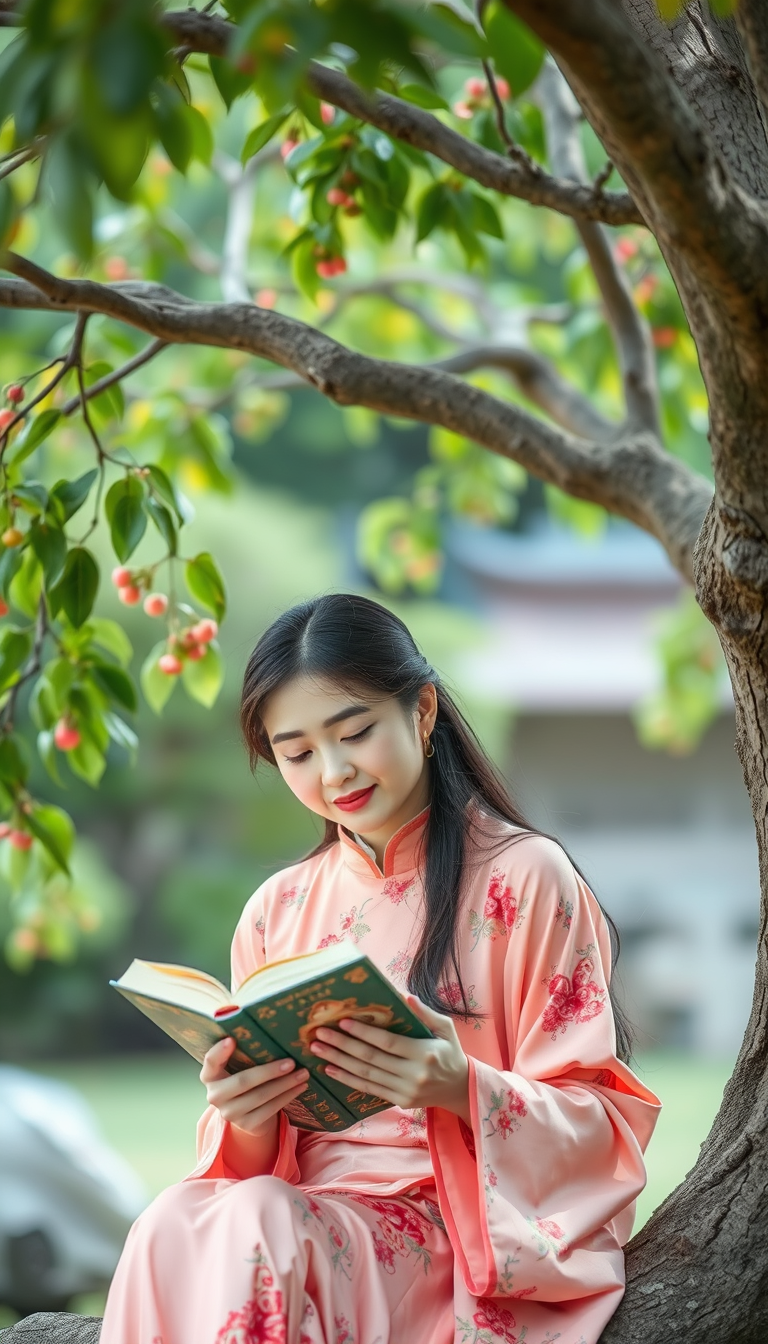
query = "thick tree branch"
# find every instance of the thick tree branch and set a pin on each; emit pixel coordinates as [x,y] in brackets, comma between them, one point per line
[752,22]
[562,117]
[706,224]
[403,121]
[634,478]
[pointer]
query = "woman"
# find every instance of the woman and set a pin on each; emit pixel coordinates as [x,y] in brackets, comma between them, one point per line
[492,1200]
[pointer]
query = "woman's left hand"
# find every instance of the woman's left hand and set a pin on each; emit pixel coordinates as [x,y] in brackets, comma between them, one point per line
[409,1073]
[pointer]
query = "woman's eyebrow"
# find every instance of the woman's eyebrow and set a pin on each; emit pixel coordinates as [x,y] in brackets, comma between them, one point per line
[327,723]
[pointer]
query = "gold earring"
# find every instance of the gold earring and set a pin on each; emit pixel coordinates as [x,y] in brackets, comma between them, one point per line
[429,747]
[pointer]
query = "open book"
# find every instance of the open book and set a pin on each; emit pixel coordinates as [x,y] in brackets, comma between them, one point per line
[276,1013]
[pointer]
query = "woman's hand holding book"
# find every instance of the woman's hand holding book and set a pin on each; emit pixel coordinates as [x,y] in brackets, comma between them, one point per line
[409,1073]
[250,1101]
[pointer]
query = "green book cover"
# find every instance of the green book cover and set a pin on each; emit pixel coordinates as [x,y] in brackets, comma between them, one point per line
[354,989]
[277,1012]
[315,1108]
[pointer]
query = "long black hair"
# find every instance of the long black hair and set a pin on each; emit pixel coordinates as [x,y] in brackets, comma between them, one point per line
[358,645]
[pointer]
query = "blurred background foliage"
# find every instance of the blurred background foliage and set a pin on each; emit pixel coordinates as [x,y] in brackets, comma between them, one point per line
[219,183]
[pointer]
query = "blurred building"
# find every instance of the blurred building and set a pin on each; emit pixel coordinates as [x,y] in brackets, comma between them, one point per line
[667,842]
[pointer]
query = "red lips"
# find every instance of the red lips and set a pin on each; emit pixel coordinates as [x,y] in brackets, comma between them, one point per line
[351,801]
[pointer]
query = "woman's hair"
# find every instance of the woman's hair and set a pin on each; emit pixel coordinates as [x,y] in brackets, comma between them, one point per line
[358,645]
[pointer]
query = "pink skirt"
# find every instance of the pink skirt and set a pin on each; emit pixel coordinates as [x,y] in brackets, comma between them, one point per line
[260,1261]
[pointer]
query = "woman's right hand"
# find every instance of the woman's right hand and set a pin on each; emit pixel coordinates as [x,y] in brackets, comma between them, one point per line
[250,1100]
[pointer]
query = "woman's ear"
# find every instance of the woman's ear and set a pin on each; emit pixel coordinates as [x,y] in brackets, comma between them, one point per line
[427,708]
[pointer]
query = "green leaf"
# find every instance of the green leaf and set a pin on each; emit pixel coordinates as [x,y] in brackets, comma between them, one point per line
[55,831]
[46,750]
[517,54]
[434,209]
[485,217]
[75,592]
[262,134]
[124,507]
[304,268]
[230,82]
[206,584]
[37,429]
[157,686]
[117,684]
[32,496]
[87,761]
[122,734]
[13,767]
[202,135]
[164,523]
[203,679]
[10,563]
[73,494]
[8,211]
[72,190]
[421,96]
[162,486]
[27,585]
[15,648]
[50,547]
[173,126]
[112,637]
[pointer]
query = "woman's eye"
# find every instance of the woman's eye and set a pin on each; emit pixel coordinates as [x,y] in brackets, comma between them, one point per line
[356,736]
[302,756]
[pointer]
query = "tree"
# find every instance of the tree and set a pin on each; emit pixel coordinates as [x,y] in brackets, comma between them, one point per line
[680,104]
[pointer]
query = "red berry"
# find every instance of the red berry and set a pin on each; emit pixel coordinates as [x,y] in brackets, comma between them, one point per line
[121,576]
[15,394]
[5,829]
[116,268]
[625,248]
[502,88]
[339,265]
[20,839]
[476,88]
[6,417]
[12,537]
[336,196]
[204,631]
[129,594]
[66,735]
[327,112]
[170,664]
[463,110]
[663,337]
[196,651]
[286,148]
[326,269]
[156,604]
[266,298]
[3,607]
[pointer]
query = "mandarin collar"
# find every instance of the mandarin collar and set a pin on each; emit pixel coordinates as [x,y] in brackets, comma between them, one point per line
[402,854]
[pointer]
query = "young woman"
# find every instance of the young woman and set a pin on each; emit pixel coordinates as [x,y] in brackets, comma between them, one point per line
[492,1200]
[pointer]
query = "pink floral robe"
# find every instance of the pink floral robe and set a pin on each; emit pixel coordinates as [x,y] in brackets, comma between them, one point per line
[413,1228]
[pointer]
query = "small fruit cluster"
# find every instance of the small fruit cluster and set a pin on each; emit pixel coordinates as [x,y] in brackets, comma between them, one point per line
[327,265]
[18,838]
[190,643]
[129,584]
[477,96]
[15,395]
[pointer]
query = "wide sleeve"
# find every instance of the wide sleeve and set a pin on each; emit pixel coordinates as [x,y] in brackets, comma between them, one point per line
[538,1197]
[247,955]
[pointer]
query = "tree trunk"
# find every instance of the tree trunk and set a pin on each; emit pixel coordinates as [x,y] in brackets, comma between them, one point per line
[698,1270]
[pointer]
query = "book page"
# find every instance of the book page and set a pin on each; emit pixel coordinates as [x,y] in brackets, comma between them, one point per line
[176,984]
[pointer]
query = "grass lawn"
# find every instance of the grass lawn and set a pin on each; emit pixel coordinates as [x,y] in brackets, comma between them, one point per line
[148,1106]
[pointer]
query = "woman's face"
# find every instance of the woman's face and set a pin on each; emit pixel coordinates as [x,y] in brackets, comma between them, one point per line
[350,757]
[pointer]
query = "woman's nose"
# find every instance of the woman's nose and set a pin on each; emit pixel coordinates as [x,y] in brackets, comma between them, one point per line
[336,771]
